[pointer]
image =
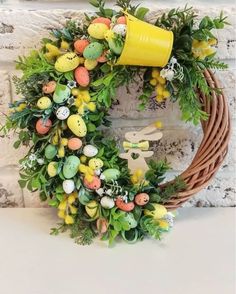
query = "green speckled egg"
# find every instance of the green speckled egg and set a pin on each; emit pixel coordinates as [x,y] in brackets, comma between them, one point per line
[61,94]
[67,62]
[93,51]
[50,151]
[111,174]
[71,166]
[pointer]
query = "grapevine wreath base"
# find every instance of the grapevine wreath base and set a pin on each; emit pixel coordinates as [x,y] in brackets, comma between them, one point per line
[213,147]
[67,89]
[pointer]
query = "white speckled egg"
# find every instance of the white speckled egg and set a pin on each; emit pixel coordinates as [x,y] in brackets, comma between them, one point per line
[120,29]
[107,202]
[62,112]
[68,186]
[90,151]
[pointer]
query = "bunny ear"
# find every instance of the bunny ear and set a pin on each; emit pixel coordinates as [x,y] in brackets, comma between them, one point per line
[147,130]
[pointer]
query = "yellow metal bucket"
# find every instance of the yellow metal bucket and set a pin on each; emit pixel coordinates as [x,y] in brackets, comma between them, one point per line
[145,44]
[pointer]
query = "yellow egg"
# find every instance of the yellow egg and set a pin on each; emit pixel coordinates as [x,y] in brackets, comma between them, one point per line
[95,163]
[77,125]
[92,209]
[52,169]
[90,64]
[44,103]
[159,211]
[67,62]
[97,30]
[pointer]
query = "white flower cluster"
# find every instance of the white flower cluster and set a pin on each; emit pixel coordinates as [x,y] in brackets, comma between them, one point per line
[172,70]
[31,161]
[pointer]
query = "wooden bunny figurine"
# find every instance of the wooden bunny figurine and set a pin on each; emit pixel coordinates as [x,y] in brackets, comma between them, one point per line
[138,146]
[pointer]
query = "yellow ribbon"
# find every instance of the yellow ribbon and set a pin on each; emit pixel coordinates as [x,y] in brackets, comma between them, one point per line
[142,145]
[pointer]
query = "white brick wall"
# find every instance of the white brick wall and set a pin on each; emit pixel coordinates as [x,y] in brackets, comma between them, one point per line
[23,23]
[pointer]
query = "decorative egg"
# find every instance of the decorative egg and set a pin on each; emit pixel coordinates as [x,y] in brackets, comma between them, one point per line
[123,205]
[77,125]
[80,45]
[141,199]
[97,30]
[109,35]
[61,94]
[159,211]
[94,184]
[102,58]
[43,126]
[121,20]
[102,225]
[111,174]
[90,151]
[70,167]
[50,151]
[120,29]
[74,143]
[92,209]
[44,103]
[68,186]
[93,50]
[103,20]
[82,76]
[52,169]
[67,62]
[115,47]
[90,64]
[50,87]
[107,202]
[84,198]
[62,113]
[95,163]
[129,217]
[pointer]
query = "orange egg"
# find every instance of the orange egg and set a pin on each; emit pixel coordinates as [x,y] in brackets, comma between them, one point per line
[104,20]
[141,199]
[49,87]
[82,76]
[74,143]
[42,127]
[80,45]
[94,184]
[102,225]
[102,58]
[121,20]
[123,205]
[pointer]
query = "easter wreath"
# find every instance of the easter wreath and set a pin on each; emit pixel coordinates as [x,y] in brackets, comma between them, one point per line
[68,87]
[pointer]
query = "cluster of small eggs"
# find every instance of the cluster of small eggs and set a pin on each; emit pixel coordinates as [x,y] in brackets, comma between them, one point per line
[160,85]
[202,49]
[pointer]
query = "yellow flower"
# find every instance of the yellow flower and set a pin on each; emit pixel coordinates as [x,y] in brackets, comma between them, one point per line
[65,208]
[202,49]
[21,107]
[158,124]
[160,85]
[82,101]
[87,171]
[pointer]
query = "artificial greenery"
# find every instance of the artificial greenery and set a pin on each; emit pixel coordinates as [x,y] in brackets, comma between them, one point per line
[39,69]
